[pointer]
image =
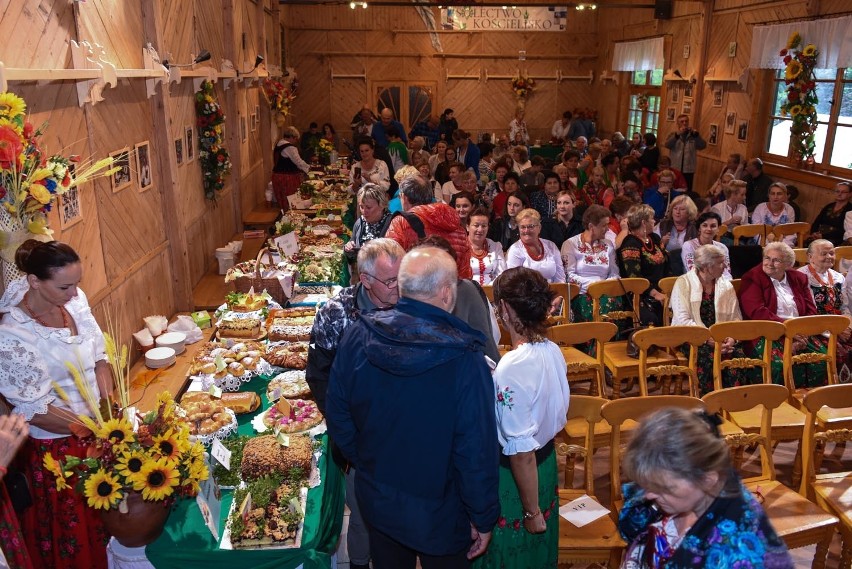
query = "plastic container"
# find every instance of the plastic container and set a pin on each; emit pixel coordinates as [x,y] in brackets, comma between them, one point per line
[225,256]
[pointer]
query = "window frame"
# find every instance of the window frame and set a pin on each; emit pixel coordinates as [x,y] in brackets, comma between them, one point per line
[646,86]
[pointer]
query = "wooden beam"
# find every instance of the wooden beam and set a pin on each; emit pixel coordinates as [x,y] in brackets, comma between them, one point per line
[232,118]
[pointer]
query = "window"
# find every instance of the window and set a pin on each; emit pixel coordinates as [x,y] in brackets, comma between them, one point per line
[643,112]
[834,112]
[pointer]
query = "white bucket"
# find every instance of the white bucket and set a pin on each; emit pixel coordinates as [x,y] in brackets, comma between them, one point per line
[225,256]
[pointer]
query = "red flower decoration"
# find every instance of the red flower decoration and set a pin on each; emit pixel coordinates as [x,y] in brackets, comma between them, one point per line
[788,59]
[517,524]
[783,52]
[10,147]
[501,522]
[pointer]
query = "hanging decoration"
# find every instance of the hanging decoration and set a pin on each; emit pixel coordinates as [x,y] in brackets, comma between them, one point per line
[523,87]
[801,101]
[642,102]
[281,92]
[212,154]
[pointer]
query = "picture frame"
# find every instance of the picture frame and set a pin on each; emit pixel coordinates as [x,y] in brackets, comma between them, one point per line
[122,177]
[718,95]
[686,109]
[243,129]
[742,130]
[671,113]
[143,166]
[70,207]
[730,122]
[189,143]
[179,151]
[675,94]
[253,122]
[688,91]
[713,137]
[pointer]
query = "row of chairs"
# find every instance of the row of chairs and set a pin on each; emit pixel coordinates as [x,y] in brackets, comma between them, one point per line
[800,229]
[799,521]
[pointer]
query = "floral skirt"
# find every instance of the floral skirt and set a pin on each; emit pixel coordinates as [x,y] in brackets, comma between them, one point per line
[61,531]
[581,308]
[730,377]
[512,546]
[11,539]
[285,184]
[804,375]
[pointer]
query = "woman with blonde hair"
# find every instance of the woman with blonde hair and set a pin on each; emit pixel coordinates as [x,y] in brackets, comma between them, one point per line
[676,228]
[643,255]
[775,210]
[289,168]
[732,209]
[533,252]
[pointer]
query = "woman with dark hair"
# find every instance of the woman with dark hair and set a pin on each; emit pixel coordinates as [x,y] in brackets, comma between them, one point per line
[708,225]
[685,505]
[369,169]
[651,155]
[448,124]
[532,400]
[496,185]
[829,222]
[504,229]
[442,172]
[288,167]
[46,323]
[511,184]
[486,256]
[463,203]
[563,223]
[329,134]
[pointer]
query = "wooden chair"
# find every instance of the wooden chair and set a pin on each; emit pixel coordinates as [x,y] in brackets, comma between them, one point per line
[566,291]
[670,337]
[842,258]
[598,541]
[749,232]
[801,257]
[617,362]
[736,283]
[800,229]
[834,324]
[797,521]
[666,285]
[581,366]
[618,413]
[721,232]
[831,491]
[489,292]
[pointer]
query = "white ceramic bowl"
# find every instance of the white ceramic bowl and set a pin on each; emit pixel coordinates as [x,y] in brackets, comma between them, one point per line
[159,357]
[173,340]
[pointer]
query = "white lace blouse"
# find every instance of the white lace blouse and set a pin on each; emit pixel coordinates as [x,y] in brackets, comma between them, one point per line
[33,356]
[587,263]
[532,396]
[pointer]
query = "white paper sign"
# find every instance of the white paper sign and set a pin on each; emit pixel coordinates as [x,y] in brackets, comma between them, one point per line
[221,454]
[584,510]
[287,244]
[209,501]
[215,391]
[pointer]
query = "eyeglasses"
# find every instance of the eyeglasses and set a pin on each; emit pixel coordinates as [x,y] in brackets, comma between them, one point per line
[527,227]
[773,261]
[389,283]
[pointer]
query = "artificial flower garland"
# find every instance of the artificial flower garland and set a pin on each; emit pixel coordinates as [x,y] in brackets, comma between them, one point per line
[801,102]
[280,94]
[212,154]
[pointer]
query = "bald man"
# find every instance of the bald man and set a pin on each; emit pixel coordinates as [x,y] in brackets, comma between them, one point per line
[406,379]
[386,119]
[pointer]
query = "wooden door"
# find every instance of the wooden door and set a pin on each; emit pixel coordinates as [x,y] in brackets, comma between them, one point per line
[410,101]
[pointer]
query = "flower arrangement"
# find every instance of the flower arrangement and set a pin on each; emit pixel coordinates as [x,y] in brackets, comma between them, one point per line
[280,94]
[150,454]
[801,102]
[30,179]
[642,102]
[212,154]
[323,147]
[523,86]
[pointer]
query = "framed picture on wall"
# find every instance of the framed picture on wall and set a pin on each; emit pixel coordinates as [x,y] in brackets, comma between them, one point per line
[143,165]
[730,122]
[253,122]
[120,178]
[675,93]
[713,137]
[189,144]
[688,90]
[70,210]
[686,109]
[742,130]
[717,96]
[670,114]
[243,129]
[179,151]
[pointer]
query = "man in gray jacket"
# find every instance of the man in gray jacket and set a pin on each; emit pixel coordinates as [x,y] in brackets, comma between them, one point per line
[682,145]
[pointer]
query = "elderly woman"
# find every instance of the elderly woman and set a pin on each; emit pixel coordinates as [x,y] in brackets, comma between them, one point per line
[493,188]
[776,210]
[708,225]
[521,158]
[659,196]
[642,254]
[589,258]
[504,229]
[544,201]
[776,291]
[685,506]
[369,169]
[829,222]
[532,399]
[702,297]
[518,133]
[371,224]
[732,210]
[533,252]
[454,185]
[678,225]
[486,258]
[827,286]
[289,168]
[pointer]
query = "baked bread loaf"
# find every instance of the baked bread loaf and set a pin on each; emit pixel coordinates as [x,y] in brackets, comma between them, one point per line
[239,328]
[290,385]
[282,330]
[241,402]
[264,455]
[292,356]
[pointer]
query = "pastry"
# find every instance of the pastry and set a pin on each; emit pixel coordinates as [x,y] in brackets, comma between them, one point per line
[280,330]
[304,415]
[241,402]
[239,328]
[246,302]
[264,455]
[290,384]
[205,413]
[292,356]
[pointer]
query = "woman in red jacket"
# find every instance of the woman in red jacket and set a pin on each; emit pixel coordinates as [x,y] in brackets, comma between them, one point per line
[775,291]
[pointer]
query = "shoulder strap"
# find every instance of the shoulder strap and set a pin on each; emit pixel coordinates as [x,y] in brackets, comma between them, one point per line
[415,223]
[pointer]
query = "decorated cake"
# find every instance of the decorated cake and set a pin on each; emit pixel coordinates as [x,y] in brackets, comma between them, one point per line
[264,455]
[289,384]
[304,415]
[239,328]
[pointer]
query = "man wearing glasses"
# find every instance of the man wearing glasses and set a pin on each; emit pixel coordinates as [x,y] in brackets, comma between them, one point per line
[378,267]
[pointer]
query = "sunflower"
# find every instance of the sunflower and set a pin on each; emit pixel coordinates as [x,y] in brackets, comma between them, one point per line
[795,40]
[102,490]
[794,69]
[130,463]
[169,446]
[795,110]
[166,404]
[54,467]
[809,51]
[117,431]
[11,105]
[157,480]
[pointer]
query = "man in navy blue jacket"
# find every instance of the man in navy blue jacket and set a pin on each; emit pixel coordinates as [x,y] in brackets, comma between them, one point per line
[466,151]
[411,404]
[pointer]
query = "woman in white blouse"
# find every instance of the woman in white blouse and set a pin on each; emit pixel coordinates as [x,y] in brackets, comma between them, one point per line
[369,168]
[776,210]
[533,252]
[589,258]
[486,258]
[532,399]
[708,225]
[732,210]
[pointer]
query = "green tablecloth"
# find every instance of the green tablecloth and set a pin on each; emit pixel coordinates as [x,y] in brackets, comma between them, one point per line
[187,543]
[547,152]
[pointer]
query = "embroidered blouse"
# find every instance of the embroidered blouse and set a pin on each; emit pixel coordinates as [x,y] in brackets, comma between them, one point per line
[762,214]
[532,396]
[827,288]
[378,174]
[488,268]
[33,356]
[550,266]
[587,263]
[687,253]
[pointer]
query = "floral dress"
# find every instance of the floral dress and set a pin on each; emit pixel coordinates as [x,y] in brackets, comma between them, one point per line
[647,260]
[827,289]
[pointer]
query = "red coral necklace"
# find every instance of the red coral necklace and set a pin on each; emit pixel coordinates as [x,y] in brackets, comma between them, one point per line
[62,311]
[535,256]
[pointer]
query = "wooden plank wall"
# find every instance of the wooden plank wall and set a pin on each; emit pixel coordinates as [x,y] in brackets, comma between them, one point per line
[391,44]
[122,236]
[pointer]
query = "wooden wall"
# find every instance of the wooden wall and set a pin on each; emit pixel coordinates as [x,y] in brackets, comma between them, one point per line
[391,44]
[144,251]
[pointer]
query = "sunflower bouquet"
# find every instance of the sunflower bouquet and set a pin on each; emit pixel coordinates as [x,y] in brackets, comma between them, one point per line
[523,86]
[151,454]
[280,94]
[801,102]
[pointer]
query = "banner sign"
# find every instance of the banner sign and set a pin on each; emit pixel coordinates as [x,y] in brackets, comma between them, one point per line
[508,19]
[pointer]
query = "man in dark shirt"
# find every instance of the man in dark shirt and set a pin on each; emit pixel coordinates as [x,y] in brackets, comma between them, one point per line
[757,183]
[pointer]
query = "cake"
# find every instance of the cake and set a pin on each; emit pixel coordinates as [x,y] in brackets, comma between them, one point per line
[304,415]
[292,356]
[246,301]
[282,330]
[290,384]
[239,328]
[264,455]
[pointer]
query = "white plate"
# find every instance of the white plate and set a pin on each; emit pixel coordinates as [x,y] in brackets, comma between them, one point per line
[159,357]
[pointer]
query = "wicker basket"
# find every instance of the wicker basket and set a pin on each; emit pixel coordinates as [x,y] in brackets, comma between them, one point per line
[271,284]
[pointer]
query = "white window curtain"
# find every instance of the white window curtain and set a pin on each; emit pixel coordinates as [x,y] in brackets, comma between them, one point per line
[832,37]
[643,55]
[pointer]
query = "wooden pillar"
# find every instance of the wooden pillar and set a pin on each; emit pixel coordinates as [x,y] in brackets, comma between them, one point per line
[271,57]
[173,215]
[232,119]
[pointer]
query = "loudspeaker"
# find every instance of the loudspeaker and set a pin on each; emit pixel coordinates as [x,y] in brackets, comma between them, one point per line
[663,9]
